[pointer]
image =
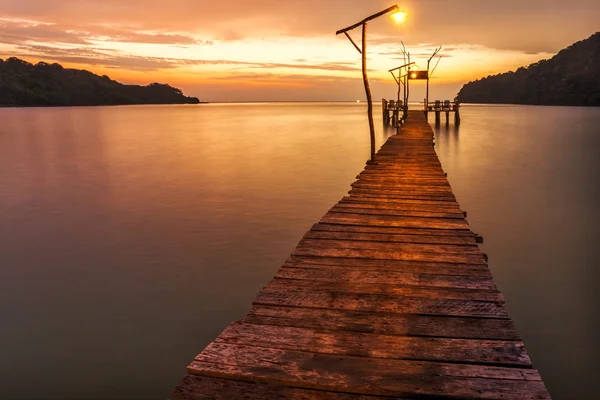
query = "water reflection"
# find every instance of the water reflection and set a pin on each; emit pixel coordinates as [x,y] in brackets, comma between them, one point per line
[528,177]
[131,236]
[447,139]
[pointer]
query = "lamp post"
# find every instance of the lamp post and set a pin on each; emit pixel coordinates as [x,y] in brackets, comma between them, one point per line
[398,16]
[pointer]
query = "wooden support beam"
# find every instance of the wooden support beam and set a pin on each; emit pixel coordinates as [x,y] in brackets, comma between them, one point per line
[364,21]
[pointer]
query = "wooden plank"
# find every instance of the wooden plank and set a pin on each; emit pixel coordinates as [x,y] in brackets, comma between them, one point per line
[401,194]
[381,302]
[403,173]
[405,169]
[397,187]
[376,376]
[398,213]
[399,201]
[405,189]
[404,222]
[378,180]
[389,237]
[403,180]
[422,267]
[459,233]
[389,255]
[364,194]
[388,289]
[196,387]
[384,323]
[385,276]
[369,345]
[386,246]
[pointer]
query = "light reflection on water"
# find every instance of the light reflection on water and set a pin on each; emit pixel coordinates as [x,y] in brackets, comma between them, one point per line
[131,236]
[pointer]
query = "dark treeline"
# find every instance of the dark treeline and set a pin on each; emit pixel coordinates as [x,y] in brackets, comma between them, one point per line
[25,84]
[572,77]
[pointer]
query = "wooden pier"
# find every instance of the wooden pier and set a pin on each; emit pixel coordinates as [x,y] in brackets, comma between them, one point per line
[445,107]
[393,112]
[388,295]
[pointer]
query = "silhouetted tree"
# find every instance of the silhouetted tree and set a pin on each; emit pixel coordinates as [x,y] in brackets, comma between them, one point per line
[43,84]
[571,77]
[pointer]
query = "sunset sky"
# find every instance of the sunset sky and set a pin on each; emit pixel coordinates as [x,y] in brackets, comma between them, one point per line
[287,50]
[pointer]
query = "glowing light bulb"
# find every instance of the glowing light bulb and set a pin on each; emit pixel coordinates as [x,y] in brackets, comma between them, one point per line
[399,16]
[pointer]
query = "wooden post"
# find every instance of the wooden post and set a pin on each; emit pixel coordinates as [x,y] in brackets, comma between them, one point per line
[447,117]
[398,100]
[407,81]
[364,67]
[456,112]
[405,103]
[398,92]
[427,93]
[368,90]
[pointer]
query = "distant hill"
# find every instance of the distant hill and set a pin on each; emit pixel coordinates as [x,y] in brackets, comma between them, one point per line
[570,78]
[25,84]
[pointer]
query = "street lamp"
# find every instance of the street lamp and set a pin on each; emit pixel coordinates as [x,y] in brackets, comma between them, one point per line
[397,15]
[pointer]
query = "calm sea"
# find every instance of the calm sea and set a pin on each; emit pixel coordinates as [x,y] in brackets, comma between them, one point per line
[131,236]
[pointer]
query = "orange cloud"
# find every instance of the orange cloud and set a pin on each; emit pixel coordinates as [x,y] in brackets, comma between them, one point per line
[192,43]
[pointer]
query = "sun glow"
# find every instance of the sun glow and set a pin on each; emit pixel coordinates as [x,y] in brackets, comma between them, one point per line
[399,16]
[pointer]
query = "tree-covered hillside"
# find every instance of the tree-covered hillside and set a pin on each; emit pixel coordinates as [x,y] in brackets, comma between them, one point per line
[25,84]
[572,77]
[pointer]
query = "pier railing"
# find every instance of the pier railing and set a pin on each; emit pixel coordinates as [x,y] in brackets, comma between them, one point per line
[394,111]
[443,106]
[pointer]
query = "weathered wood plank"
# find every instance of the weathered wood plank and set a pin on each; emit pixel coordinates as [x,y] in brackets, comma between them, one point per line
[398,194]
[384,276]
[391,170]
[399,201]
[384,323]
[365,203]
[394,246]
[365,194]
[399,213]
[396,187]
[197,387]
[380,302]
[404,222]
[388,289]
[367,376]
[422,267]
[378,179]
[369,345]
[457,258]
[389,237]
[324,226]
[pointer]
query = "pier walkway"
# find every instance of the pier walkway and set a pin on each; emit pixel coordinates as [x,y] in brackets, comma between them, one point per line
[388,295]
